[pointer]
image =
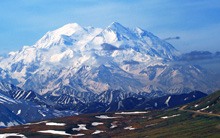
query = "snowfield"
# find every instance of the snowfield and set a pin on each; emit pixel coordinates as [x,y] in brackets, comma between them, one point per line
[167,101]
[97,123]
[130,128]
[107,117]
[12,135]
[203,108]
[55,124]
[97,132]
[196,105]
[113,124]
[81,127]
[129,113]
[166,117]
[19,112]
[55,132]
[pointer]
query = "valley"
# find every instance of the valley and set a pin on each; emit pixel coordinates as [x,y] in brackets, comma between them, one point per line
[173,122]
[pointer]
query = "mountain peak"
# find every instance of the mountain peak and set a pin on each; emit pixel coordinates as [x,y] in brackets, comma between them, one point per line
[139,30]
[68,29]
[115,26]
[61,35]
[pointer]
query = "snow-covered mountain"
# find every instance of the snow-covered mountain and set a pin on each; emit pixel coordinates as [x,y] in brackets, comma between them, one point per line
[73,60]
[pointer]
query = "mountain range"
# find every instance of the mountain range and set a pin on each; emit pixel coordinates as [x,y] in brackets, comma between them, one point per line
[74,60]
[19,106]
[78,69]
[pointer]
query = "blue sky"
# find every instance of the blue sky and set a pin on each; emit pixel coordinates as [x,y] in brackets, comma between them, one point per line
[196,22]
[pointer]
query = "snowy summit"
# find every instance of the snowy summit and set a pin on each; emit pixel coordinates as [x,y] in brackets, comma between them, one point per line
[87,59]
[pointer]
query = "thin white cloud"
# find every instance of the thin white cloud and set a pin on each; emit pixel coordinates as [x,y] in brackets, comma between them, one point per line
[206,38]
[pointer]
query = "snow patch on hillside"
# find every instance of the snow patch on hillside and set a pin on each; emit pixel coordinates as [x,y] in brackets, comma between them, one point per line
[55,132]
[130,128]
[97,132]
[81,127]
[166,117]
[167,101]
[97,123]
[55,124]
[107,117]
[19,112]
[12,135]
[136,112]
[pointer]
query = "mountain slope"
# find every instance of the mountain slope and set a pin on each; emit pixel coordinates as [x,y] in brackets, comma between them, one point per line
[18,93]
[93,60]
[118,100]
[148,123]
[15,112]
[7,117]
[209,104]
[164,102]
